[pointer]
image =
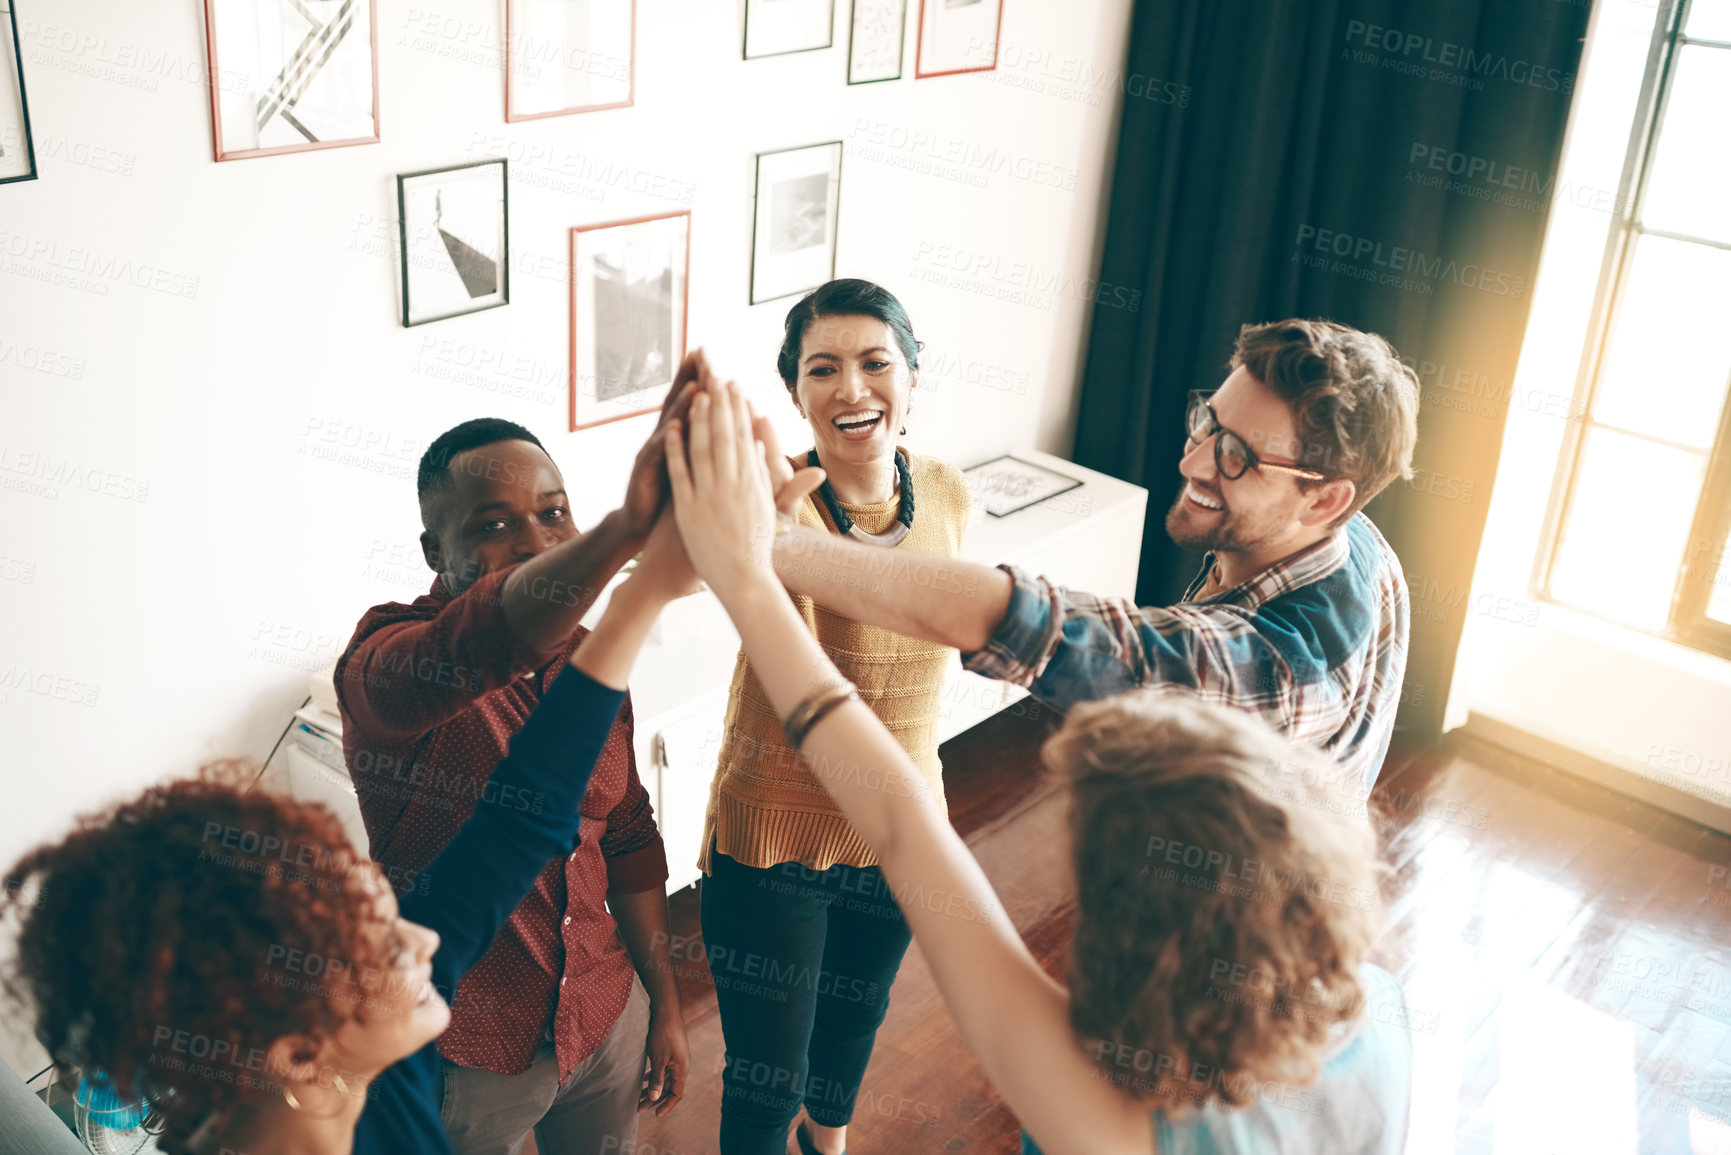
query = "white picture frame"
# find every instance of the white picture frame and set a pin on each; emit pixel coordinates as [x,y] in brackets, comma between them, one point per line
[292,75]
[778,27]
[877,31]
[569,56]
[454,229]
[793,237]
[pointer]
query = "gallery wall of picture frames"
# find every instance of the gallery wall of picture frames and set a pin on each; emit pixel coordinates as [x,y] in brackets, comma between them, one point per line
[17,146]
[301,75]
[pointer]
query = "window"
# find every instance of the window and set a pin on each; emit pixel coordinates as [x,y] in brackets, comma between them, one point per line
[1643,502]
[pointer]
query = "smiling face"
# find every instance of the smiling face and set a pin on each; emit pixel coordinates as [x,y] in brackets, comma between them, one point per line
[502,503]
[389,1005]
[1263,512]
[853,386]
[399,1011]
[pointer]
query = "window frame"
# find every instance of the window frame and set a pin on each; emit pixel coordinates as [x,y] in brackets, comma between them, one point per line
[1687,622]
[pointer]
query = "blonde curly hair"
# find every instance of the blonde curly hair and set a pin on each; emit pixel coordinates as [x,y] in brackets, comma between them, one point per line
[1227,895]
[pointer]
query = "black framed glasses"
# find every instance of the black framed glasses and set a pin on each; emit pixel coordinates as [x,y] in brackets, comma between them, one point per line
[1232,457]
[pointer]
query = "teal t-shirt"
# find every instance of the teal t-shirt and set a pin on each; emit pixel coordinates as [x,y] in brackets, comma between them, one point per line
[1358,1106]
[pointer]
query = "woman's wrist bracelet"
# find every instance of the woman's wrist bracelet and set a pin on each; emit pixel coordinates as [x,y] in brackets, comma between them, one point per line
[814,709]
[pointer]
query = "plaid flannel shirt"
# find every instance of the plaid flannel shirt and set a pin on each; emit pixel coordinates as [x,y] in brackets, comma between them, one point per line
[1315,645]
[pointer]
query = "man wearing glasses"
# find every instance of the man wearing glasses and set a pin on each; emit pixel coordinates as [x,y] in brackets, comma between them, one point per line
[1300,613]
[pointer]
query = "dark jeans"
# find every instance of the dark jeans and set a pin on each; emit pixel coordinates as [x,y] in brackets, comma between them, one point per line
[803,961]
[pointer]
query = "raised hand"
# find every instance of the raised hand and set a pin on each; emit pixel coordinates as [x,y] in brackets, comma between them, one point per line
[662,567]
[721,491]
[790,487]
[646,492]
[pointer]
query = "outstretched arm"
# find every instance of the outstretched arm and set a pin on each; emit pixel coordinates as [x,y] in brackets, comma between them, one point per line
[827,569]
[530,811]
[722,501]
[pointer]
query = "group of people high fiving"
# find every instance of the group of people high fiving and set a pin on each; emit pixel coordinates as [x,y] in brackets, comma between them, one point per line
[499,963]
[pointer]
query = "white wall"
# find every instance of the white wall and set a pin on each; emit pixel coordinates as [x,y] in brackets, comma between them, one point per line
[1628,700]
[175,616]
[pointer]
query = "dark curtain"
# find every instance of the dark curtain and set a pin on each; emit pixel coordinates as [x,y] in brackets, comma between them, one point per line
[1382,163]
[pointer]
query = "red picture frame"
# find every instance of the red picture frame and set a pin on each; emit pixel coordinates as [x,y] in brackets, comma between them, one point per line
[512,116]
[653,403]
[216,87]
[920,72]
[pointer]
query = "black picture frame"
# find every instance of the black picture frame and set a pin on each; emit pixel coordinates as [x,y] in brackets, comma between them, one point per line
[832,222]
[504,276]
[10,9]
[901,45]
[1075,483]
[745,37]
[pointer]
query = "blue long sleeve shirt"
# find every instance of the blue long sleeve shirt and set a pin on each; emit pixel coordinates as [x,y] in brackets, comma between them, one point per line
[528,814]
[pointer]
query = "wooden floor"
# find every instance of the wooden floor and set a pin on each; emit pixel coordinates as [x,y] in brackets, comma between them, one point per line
[1560,945]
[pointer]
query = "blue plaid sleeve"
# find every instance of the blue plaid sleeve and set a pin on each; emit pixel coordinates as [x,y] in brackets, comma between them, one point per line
[1065,646]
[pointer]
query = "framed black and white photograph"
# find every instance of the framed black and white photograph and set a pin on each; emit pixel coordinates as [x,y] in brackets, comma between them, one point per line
[794,229]
[875,43]
[566,56]
[628,310]
[17,148]
[958,36]
[777,27]
[455,233]
[292,75]
[1007,484]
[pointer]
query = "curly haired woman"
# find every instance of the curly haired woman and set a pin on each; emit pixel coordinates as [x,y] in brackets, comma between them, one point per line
[1220,1000]
[231,956]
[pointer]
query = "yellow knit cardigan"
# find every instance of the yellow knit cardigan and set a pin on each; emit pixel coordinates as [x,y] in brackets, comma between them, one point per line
[765,807]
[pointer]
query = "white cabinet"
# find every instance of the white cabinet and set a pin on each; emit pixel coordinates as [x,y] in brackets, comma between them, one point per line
[1089,538]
